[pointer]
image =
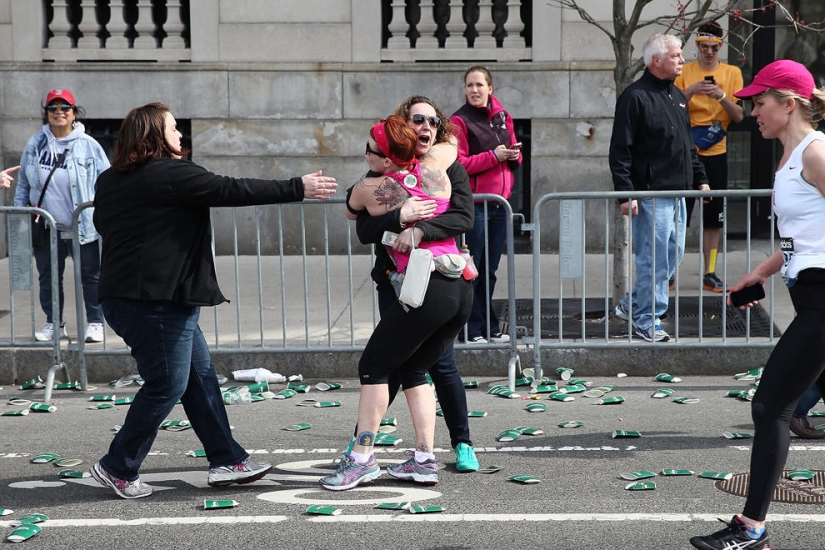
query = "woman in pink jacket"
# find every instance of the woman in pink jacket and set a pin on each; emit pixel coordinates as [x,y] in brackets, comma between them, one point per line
[488,149]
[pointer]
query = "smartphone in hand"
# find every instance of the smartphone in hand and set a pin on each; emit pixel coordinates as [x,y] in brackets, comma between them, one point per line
[516,145]
[710,79]
[748,294]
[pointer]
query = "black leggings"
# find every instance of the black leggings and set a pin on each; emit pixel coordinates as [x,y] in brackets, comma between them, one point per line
[796,363]
[410,342]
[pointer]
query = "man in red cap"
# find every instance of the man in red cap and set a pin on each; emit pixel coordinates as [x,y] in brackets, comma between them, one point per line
[709,86]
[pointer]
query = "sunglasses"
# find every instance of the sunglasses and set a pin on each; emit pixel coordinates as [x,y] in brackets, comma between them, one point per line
[65,107]
[379,154]
[418,120]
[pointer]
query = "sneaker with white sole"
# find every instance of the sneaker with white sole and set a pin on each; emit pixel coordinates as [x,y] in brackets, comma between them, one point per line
[735,535]
[499,338]
[465,458]
[477,340]
[240,473]
[121,487]
[621,312]
[46,332]
[350,474]
[425,472]
[653,334]
[94,333]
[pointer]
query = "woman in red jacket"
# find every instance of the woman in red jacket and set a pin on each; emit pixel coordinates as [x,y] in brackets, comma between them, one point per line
[488,150]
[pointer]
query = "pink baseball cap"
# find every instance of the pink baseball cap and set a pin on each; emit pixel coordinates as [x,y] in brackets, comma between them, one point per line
[781,75]
[65,95]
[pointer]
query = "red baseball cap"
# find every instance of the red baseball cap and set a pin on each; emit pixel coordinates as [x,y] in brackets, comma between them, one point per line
[781,75]
[65,95]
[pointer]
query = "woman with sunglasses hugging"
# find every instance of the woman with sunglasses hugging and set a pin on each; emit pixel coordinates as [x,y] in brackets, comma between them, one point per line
[488,149]
[431,127]
[81,160]
[406,340]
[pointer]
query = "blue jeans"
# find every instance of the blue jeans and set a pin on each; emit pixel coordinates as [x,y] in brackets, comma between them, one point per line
[650,293]
[495,220]
[89,272]
[174,362]
[808,402]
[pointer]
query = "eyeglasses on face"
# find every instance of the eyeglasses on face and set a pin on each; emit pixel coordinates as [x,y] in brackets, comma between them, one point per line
[433,121]
[65,107]
[369,151]
[709,47]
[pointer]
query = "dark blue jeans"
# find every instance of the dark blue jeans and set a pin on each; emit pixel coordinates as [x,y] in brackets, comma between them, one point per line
[89,272]
[174,362]
[486,260]
[808,402]
[452,397]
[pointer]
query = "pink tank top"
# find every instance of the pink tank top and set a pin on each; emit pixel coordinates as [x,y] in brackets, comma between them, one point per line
[410,180]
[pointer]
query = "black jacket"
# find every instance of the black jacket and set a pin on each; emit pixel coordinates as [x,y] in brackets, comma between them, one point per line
[157,241]
[457,220]
[651,147]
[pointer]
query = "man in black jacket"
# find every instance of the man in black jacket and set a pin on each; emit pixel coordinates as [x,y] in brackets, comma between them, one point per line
[651,149]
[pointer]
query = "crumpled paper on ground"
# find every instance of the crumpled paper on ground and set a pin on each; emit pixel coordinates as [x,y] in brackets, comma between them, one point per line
[258,375]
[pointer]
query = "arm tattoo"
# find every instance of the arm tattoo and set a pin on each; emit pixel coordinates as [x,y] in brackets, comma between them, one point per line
[389,194]
[433,181]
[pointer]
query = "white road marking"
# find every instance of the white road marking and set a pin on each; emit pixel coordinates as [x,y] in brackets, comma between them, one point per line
[404,517]
[398,494]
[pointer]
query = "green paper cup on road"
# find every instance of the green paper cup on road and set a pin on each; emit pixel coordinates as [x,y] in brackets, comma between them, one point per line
[662,393]
[258,387]
[67,462]
[44,458]
[736,435]
[217,504]
[508,435]
[476,414]
[6,512]
[22,412]
[469,384]
[545,388]
[675,472]
[575,388]
[23,532]
[388,422]
[633,476]
[285,394]
[641,486]
[665,377]
[31,519]
[33,384]
[536,407]
[67,386]
[327,386]
[101,406]
[298,427]
[508,394]
[530,431]
[564,373]
[197,453]
[816,413]
[579,381]
[386,429]
[172,424]
[686,400]
[605,389]
[593,393]
[752,374]
[489,469]
[124,400]
[74,474]
[321,510]
[431,509]
[19,402]
[800,475]
[617,400]
[571,424]
[103,398]
[525,381]
[307,403]
[439,412]
[620,434]
[387,440]
[42,407]
[525,479]
[559,396]
[300,388]
[716,475]
[327,404]
[392,505]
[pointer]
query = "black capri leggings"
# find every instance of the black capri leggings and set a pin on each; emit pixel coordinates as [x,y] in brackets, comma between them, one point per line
[411,341]
[796,363]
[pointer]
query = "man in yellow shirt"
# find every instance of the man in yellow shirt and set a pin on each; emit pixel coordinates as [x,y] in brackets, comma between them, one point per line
[709,86]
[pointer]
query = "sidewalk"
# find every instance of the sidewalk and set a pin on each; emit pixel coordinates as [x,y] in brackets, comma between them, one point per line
[317,322]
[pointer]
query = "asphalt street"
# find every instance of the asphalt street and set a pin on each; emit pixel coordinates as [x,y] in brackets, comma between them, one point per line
[580,502]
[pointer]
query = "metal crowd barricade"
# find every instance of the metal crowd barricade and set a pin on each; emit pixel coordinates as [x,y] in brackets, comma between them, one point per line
[21,279]
[308,301]
[572,246]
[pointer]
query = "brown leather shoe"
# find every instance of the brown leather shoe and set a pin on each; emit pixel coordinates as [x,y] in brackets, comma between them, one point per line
[802,428]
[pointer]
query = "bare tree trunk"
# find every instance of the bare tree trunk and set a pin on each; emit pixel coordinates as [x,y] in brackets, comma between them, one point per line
[621,254]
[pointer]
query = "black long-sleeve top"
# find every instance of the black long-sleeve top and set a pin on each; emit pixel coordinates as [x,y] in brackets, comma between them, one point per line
[651,147]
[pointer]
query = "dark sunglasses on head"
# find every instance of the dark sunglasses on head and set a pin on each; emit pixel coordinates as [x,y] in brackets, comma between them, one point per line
[418,120]
[376,153]
[65,107]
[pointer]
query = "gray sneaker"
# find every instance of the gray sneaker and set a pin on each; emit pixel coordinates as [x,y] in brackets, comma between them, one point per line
[240,473]
[621,312]
[351,474]
[121,487]
[425,472]
[653,334]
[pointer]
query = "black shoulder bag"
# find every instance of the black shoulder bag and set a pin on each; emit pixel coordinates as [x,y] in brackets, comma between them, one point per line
[38,223]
